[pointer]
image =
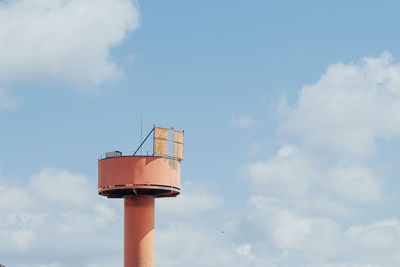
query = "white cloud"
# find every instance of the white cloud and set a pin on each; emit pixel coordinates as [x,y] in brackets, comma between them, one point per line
[288,173]
[244,249]
[301,212]
[202,245]
[295,176]
[380,236]
[350,265]
[350,107]
[6,101]
[57,214]
[54,264]
[242,121]
[184,243]
[66,40]
[354,184]
[12,198]
[48,179]
[307,196]
[280,236]
[194,199]
[288,230]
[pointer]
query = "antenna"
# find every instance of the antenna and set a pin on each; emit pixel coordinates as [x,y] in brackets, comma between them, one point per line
[141,134]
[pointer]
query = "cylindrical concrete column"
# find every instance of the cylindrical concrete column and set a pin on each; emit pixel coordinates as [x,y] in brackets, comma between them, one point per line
[139,231]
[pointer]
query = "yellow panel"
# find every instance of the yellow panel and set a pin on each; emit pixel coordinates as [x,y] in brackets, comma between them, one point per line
[178,136]
[160,133]
[178,150]
[161,147]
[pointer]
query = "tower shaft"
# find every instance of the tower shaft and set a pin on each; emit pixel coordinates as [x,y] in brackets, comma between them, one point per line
[139,231]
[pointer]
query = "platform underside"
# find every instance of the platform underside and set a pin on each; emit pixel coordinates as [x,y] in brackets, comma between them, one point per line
[120,191]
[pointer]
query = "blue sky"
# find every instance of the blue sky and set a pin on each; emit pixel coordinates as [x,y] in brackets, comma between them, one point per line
[290,111]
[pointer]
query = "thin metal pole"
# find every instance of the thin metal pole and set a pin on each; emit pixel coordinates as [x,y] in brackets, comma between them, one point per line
[154,137]
[152,130]
[141,134]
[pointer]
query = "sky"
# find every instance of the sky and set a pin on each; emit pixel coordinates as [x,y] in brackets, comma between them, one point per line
[291,113]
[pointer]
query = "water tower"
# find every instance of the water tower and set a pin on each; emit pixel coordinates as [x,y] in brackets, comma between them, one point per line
[139,179]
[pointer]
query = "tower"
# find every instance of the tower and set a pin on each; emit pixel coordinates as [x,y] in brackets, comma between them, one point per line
[139,179]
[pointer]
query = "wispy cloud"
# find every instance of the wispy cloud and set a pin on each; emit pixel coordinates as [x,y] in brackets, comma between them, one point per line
[242,121]
[6,101]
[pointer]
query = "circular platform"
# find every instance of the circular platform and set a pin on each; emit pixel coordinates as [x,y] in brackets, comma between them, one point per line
[138,175]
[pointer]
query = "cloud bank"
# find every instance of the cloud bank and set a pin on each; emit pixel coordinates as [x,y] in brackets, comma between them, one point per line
[55,217]
[349,108]
[316,202]
[65,40]
[310,199]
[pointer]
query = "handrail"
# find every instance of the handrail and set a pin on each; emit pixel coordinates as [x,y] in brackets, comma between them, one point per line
[177,150]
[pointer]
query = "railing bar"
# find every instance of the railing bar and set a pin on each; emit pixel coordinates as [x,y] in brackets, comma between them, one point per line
[143,142]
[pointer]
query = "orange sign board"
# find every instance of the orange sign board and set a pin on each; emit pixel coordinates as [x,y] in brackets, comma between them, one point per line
[161,133]
[177,148]
[177,151]
[161,147]
[161,142]
[178,136]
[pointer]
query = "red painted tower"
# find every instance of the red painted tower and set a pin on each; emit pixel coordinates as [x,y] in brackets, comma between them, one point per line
[139,180]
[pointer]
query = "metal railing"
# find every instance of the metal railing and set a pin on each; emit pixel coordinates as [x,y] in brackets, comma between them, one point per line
[161,143]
